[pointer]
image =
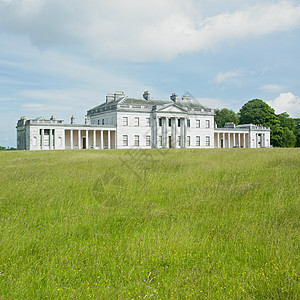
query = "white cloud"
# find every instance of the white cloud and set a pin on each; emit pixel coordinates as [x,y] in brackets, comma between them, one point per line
[286,102]
[141,30]
[227,76]
[273,88]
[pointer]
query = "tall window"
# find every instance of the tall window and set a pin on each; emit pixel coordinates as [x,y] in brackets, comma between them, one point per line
[197,141]
[136,140]
[148,122]
[179,140]
[170,122]
[188,141]
[160,141]
[207,124]
[125,140]
[178,122]
[188,122]
[160,121]
[136,121]
[147,140]
[125,121]
[198,123]
[102,121]
[207,141]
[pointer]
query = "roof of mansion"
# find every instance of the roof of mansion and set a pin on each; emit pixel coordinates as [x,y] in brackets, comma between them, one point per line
[114,102]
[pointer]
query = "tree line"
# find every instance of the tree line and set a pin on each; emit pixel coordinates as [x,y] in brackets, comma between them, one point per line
[285,131]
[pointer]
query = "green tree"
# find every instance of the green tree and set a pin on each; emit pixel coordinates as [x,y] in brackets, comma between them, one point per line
[225,115]
[258,112]
[297,132]
[288,126]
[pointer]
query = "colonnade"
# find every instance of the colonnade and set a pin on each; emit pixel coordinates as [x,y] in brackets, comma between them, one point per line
[90,139]
[231,139]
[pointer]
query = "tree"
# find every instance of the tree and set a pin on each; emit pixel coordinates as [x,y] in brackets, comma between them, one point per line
[258,112]
[225,115]
[288,126]
[297,131]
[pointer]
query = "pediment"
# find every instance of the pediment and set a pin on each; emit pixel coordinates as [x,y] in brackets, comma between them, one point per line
[172,108]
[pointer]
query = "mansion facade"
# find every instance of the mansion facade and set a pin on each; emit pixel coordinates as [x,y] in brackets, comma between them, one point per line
[129,123]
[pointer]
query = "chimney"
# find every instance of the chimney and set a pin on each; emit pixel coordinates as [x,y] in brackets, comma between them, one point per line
[174,97]
[110,98]
[87,120]
[146,95]
[187,98]
[118,95]
[52,118]
[73,120]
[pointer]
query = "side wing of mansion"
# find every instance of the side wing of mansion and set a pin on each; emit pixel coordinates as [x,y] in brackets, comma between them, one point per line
[124,123]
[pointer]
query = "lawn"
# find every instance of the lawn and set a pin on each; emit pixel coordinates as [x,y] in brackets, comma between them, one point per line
[140,224]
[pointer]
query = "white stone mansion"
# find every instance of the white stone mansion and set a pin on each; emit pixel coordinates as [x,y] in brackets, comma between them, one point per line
[124,123]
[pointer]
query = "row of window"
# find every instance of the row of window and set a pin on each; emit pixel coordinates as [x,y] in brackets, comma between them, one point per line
[148,140]
[137,122]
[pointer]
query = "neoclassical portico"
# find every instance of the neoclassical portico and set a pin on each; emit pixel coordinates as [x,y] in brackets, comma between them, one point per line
[170,131]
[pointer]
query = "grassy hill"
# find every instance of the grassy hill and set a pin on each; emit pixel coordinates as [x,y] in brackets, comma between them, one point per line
[114,224]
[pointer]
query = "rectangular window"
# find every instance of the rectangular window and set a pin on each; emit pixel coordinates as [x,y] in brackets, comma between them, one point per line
[136,140]
[207,141]
[198,123]
[102,121]
[197,141]
[98,122]
[136,121]
[188,141]
[148,122]
[125,121]
[170,122]
[159,122]
[125,140]
[160,141]
[207,124]
[147,140]
[179,140]
[178,122]
[188,122]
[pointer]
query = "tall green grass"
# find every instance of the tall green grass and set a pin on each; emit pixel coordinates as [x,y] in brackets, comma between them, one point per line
[139,224]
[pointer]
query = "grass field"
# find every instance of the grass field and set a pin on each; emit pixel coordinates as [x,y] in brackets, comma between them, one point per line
[174,224]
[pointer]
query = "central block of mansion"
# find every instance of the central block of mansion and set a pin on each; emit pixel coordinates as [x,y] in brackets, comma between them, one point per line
[123,123]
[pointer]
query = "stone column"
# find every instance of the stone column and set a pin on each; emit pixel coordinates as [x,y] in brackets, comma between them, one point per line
[50,140]
[87,139]
[163,142]
[185,132]
[229,146]
[218,140]
[71,139]
[233,139]
[43,138]
[79,139]
[108,139]
[101,142]
[94,139]
[244,140]
[175,132]
[239,140]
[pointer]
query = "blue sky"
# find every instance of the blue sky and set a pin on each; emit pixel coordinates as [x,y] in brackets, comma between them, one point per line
[61,57]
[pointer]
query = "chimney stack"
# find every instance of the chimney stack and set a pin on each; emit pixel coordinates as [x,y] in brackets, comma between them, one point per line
[174,97]
[146,95]
[73,120]
[118,95]
[110,98]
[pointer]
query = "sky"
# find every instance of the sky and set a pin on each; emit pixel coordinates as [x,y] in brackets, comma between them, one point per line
[61,57]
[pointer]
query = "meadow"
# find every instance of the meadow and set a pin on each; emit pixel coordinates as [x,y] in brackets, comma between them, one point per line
[140,224]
